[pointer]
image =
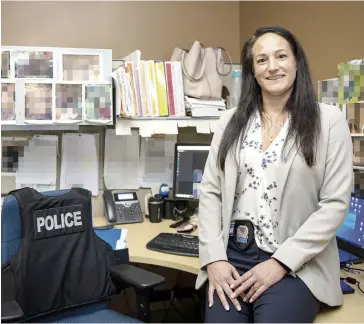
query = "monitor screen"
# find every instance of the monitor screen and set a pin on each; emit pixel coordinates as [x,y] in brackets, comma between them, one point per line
[190,160]
[352,230]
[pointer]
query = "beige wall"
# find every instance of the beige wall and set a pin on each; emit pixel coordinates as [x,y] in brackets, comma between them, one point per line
[153,27]
[330,32]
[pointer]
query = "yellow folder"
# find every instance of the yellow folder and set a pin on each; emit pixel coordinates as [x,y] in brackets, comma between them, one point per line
[161,88]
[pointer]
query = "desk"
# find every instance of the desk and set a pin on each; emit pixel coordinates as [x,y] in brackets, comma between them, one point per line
[140,234]
[352,311]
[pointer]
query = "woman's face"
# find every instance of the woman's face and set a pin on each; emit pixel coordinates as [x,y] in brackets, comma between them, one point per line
[274,64]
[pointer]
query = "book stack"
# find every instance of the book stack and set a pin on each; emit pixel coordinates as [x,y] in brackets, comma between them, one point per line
[204,108]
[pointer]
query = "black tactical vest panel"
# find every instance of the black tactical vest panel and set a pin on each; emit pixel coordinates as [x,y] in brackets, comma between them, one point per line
[62,262]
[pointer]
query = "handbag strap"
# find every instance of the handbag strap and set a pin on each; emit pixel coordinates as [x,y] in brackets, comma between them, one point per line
[219,55]
[203,59]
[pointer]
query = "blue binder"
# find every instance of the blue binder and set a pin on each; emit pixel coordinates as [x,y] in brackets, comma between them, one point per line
[111,235]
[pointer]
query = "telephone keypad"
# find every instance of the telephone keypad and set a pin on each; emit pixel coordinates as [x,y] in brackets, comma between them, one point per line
[129,212]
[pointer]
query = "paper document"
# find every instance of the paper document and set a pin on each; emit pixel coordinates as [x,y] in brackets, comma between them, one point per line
[11,149]
[134,56]
[146,129]
[38,167]
[124,105]
[79,167]
[121,242]
[202,126]
[38,187]
[156,161]
[328,91]
[121,161]
[214,125]
[123,127]
[164,126]
[182,123]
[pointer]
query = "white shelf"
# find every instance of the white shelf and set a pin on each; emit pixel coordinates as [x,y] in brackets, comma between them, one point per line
[357,134]
[149,126]
[8,128]
[357,167]
[171,118]
[8,174]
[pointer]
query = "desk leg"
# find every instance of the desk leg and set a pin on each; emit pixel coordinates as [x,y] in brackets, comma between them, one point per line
[143,304]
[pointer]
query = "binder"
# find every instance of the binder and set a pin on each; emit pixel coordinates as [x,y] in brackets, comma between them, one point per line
[129,70]
[178,87]
[152,88]
[161,89]
[144,92]
[170,90]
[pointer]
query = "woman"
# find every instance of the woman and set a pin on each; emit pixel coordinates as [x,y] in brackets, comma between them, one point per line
[275,189]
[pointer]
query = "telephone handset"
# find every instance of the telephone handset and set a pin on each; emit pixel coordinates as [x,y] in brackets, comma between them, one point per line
[122,207]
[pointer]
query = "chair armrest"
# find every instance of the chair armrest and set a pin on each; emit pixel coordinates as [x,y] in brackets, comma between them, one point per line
[138,278]
[10,311]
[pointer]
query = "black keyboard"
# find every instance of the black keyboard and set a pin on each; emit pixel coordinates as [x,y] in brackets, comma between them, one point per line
[180,244]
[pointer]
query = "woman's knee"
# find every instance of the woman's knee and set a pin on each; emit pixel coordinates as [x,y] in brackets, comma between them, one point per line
[289,300]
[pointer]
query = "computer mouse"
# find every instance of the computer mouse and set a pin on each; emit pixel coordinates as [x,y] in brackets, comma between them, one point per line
[186,228]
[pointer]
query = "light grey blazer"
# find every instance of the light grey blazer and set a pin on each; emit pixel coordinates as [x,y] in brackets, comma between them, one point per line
[314,203]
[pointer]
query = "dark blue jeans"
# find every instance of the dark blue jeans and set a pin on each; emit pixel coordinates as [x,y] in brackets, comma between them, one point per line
[287,301]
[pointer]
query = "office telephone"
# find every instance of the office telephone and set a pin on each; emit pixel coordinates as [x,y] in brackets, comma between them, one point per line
[122,207]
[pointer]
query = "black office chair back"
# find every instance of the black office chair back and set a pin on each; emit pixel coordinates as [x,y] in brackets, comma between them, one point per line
[61,263]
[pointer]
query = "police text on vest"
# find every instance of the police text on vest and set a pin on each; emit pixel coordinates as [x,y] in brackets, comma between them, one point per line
[58,221]
[50,222]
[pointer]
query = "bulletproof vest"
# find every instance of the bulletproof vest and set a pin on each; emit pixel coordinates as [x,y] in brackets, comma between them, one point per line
[61,262]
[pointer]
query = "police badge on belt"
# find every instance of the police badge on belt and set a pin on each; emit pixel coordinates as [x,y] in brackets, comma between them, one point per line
[243,234]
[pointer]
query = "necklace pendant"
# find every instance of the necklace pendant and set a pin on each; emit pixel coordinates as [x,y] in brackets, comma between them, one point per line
[271,139]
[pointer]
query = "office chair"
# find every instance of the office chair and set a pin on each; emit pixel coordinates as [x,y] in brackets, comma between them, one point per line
[124,275]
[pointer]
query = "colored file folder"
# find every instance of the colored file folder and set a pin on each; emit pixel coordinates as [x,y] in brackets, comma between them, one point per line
[160,78]
[114,236]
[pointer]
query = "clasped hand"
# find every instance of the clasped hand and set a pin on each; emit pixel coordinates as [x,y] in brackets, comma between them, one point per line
[257,280]
[224,278]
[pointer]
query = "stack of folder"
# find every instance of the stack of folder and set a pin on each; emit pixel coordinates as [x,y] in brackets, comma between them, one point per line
[204,108]
[149,89]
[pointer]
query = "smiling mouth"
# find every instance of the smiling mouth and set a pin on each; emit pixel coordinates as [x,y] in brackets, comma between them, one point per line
[276,77]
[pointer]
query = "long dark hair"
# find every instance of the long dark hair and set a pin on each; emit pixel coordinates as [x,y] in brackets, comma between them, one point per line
[302,106]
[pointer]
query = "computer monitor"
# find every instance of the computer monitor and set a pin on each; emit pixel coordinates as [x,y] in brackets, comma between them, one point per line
[350,235]
[189,165]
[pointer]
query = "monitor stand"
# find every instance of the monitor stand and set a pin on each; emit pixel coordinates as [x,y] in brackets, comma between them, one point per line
[186,217]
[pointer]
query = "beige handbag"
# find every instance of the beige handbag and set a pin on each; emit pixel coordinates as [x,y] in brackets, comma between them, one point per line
[202,70]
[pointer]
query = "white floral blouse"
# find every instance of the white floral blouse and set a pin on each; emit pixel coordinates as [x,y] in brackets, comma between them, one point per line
[255,197]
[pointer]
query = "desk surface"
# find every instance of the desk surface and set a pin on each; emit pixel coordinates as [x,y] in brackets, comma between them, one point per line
[140,234]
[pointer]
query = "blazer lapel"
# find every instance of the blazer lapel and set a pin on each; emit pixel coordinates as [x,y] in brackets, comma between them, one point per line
[284,168]
[231,178]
